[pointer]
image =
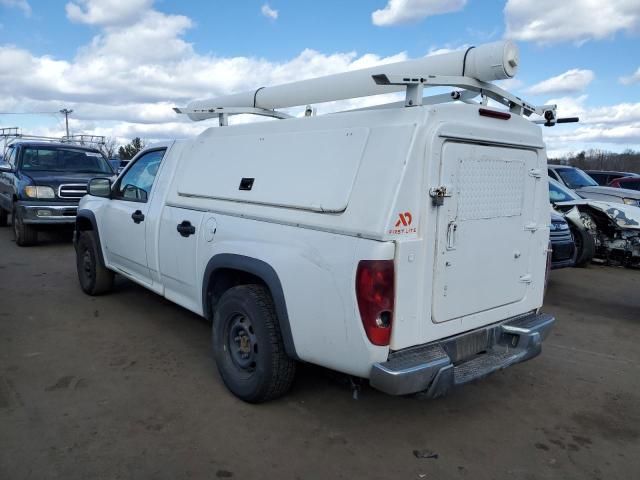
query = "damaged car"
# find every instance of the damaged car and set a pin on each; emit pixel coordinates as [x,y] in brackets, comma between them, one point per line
[614,228]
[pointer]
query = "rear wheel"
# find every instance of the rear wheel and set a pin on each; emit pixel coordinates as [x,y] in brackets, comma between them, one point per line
[24,235]
[248,346]
[94,277]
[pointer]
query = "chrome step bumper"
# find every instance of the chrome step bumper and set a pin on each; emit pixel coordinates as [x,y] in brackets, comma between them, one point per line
[436,368]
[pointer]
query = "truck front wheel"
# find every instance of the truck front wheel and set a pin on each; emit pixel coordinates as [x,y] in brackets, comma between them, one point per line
[25,235]
[248,346]
[94,277]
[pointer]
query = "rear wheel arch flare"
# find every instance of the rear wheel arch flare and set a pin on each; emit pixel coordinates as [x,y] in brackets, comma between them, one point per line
[224,271]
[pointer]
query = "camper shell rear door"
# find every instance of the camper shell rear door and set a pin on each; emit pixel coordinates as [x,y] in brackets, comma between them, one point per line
[484,240]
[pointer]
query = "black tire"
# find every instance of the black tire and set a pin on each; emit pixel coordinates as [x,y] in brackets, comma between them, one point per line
[585,246]
[25,235]
[94,277]
[4,216]
[248,346]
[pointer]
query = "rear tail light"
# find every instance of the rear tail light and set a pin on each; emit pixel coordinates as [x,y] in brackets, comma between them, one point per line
[375,294]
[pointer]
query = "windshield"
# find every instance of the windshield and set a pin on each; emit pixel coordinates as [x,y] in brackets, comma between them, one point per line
[558,193]
[632,184]
[57,159]
[575,178]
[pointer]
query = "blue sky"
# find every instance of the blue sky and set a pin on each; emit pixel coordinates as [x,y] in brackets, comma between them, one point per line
[121,64]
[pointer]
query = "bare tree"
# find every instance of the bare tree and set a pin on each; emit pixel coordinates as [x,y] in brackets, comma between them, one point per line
[596,159]
[110,147]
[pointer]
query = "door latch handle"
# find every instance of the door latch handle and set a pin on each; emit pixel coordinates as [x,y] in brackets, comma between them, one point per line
[137,216]
[185,228]
[452,230]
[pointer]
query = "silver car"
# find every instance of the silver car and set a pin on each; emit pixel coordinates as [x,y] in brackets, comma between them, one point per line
[586,187]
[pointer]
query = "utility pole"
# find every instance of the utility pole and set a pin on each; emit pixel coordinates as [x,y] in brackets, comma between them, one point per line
[66,112]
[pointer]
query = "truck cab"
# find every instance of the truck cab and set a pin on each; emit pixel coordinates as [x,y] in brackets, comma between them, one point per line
[41,184]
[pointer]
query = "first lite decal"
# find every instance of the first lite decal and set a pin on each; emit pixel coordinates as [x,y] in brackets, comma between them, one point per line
[403,224]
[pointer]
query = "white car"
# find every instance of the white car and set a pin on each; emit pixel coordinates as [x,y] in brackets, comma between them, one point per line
[614,227]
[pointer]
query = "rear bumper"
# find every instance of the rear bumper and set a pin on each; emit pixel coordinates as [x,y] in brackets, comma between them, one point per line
[42,213]
[437,367]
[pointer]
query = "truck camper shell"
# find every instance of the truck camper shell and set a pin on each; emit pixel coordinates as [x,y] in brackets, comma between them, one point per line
[347,173]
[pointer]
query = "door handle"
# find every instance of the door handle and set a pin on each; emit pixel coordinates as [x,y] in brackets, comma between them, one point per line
[137,216]
[452,230]
[185,228]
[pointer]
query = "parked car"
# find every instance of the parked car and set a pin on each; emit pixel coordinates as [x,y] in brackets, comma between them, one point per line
[41,184]
[630,183]
[612,230]
[563,248]
[605,177]
[586,187]
[118,165]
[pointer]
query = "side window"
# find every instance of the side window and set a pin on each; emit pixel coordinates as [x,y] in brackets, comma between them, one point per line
[135,185]
[11,157]
[552,174]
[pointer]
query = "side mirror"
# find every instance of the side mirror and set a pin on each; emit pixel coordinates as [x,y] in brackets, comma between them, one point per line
[5,167]
[99,187]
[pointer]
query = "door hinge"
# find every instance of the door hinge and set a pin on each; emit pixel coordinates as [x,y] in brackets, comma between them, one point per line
[526,278]
[535,173]
[438,194]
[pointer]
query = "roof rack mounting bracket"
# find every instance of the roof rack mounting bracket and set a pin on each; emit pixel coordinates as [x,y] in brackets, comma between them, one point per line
[223,113]
[486,90]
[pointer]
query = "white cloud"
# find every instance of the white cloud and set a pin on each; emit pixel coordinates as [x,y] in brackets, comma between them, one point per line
[269,12]
[124,82]
[397,12]
[633,78]
[127,78]
[446,48]
[552,21]
[614,125]
[107,12]
[571,81]
[20,4]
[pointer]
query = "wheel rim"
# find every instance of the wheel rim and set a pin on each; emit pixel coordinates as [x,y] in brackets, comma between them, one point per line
[242,343]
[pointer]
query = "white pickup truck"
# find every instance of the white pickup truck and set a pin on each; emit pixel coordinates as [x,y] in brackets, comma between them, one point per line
[404,245]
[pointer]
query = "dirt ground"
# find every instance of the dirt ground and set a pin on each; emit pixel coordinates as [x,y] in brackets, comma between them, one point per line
[123,386]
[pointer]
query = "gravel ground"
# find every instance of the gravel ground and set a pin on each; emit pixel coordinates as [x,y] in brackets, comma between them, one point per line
[123,386]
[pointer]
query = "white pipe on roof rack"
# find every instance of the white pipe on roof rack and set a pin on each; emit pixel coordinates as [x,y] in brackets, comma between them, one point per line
[488,62]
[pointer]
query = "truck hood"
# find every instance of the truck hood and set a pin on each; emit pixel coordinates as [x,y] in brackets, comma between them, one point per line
[625,216]
[616,192]
[53,179]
